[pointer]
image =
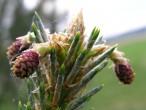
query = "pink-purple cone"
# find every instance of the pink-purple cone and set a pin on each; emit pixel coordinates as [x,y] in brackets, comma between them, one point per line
[25,64]
[14,48]
[124,73]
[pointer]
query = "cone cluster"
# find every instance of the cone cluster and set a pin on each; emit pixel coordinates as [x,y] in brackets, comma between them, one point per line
[65,62]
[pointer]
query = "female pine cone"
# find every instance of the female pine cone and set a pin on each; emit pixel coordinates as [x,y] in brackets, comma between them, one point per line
[25,64]
[123,70]
[124,73]
[14,48]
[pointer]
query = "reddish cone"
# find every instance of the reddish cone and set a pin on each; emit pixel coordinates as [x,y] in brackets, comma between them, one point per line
[14,48]
[25,64]
[124,73]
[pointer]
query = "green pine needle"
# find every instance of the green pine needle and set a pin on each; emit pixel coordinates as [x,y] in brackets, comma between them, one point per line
[41,27]
[92,38]
[77,103]
[53,66]
[31,38]
[99,59]
[58,87]
[86,79]
[76,67]
[42,96]
[72,49]
[37,34]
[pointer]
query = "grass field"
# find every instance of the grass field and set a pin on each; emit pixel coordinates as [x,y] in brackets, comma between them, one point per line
[116,96]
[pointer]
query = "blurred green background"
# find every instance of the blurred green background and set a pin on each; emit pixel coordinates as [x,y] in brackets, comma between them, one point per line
[15,21]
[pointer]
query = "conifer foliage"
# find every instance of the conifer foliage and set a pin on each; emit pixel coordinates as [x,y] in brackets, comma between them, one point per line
[57,67]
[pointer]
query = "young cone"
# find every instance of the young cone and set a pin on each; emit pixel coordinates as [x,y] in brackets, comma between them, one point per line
[14,48]
[123,69]
[124,73]
[22,43]
[25,64]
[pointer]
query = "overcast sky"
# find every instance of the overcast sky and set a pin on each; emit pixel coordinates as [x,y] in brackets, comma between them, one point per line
[111,16]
